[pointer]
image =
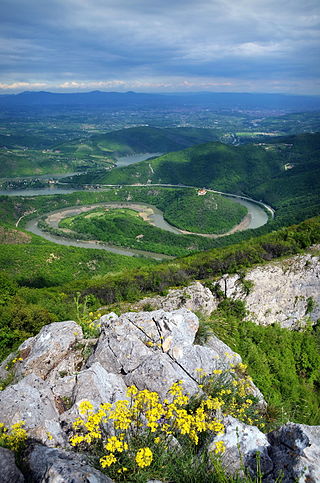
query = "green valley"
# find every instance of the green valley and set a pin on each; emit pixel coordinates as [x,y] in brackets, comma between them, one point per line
[42,281]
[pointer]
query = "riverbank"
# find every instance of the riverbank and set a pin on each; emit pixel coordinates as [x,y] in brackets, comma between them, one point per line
[148,213]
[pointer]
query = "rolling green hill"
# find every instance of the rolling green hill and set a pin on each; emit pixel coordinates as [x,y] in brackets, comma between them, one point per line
[142,139]
[284,172]
[214,165]
[146,139]
[22,156]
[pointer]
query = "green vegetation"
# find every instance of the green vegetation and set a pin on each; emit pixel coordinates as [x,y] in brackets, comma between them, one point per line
[283,363]
[149,139]
[45,264]
[209,213]
[25,309]
[285,173]
[215,165]
[23,155]
[183,208]
[124,227]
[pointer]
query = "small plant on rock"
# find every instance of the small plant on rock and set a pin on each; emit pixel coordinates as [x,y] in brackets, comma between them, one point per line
[14,437]
[87,319]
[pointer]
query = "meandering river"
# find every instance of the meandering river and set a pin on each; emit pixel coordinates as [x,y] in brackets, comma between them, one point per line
[256,217]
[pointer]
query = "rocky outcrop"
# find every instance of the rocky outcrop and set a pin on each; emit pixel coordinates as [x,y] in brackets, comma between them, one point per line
[155,349]
[243,443]
[195,297]
[53,373]
[31,400]
[149,349]
[289,454]
[43,464]
[295,452]
[286,292]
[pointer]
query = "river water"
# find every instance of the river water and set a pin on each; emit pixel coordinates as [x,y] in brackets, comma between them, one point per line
[257,215]
[135,158]
[32,226]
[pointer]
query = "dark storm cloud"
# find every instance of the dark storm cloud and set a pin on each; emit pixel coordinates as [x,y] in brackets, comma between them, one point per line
[167,43]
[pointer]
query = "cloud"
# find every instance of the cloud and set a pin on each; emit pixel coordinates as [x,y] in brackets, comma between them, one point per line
[23,85]
[71,42]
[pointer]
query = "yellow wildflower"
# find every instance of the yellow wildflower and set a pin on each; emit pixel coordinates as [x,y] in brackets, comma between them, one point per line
[144,457]
[108,460]
[220,447]
[85,406]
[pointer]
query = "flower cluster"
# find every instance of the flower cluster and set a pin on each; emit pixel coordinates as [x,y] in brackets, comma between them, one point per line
[14,437]
[234,388]
[13,362]
[144,414]
[89,324]
[132,434]
[144,457]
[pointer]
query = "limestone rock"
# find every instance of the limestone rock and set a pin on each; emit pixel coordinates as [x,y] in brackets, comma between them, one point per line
[195,297]
[53,465]
[155,349]
[243,443]
[286,292]
[9,471]
[51,351]
[295,451]
[224,353]
[291,453]
[32,401]
[98,386]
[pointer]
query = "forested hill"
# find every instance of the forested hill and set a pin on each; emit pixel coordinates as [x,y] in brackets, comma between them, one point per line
[285,172]
[215,165]
[150,139]
[225,167]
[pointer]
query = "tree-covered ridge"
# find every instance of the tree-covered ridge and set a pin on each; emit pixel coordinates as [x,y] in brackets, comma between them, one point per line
[146,139]
[215,165]
[23,154]
[283,172]
[201,213]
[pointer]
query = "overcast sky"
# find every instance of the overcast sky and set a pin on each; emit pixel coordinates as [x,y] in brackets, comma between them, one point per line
[160,45]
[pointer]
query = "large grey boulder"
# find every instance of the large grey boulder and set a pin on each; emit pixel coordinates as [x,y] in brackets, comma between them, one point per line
[50,352]
[98,386]
[155,349]
[195,297]
[291,454]
[51,465]
[32,401]
[9,472]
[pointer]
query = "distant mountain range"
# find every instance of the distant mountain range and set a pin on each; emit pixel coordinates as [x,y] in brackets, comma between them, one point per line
[131,100]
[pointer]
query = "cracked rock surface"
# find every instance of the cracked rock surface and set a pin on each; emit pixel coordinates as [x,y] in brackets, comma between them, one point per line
[152,350]
[286,292]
